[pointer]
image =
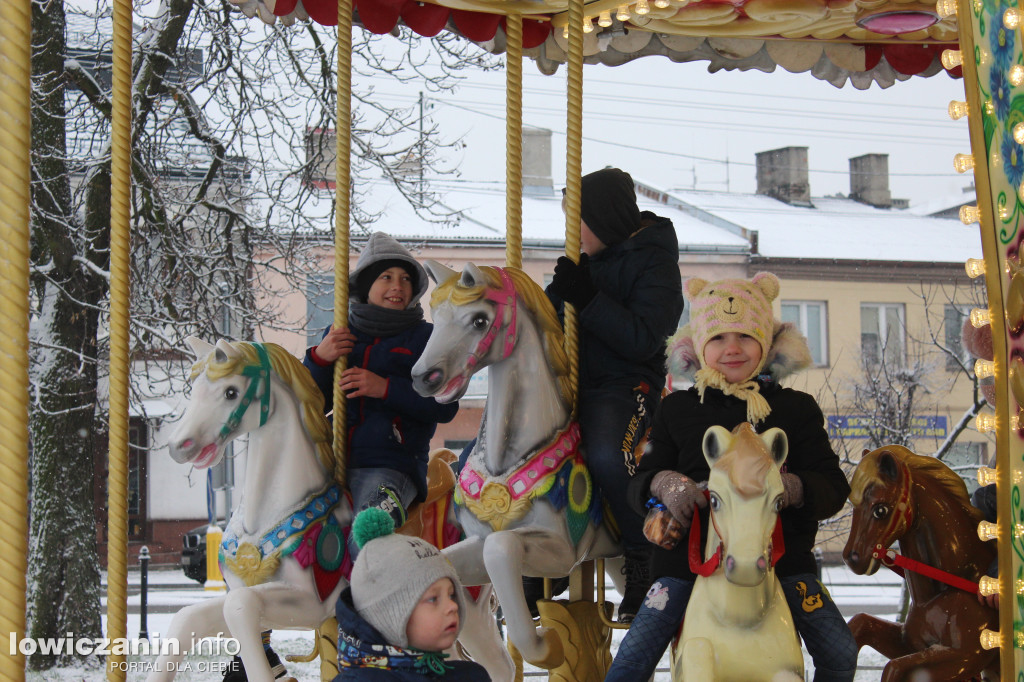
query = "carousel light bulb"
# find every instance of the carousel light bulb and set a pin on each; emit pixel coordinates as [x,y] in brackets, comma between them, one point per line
[969,214]
[951,59]
[1018,586]
[986,475]
[1016,75]
[983,369]
[980,317]
[975,267]
[985,422]
[604,19]
[588,24]
[622,14]
[988,586]
[963,162]
[945,8]
[990,108]
[957,109]
[641,7]
[988,530]
[1018,133]
[1011,18]
[661,4]
[565,31]
[989,639]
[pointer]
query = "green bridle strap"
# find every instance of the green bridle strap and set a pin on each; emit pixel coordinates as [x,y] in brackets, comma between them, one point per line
[256,374]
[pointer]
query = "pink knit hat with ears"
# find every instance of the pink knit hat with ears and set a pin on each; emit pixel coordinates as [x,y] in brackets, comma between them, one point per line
[732,305]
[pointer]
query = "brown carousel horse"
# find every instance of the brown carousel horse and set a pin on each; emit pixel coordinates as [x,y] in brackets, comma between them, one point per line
[921,503]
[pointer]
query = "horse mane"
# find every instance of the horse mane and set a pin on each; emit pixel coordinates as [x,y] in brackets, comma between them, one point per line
[868,474]
[294,375]
[536,301]
[746,464]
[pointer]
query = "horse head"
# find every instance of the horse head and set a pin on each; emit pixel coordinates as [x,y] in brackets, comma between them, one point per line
[745,488]
[479,316]
[233,393]
[881,496]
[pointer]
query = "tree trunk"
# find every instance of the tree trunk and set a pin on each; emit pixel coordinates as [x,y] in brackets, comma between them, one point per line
[63,574]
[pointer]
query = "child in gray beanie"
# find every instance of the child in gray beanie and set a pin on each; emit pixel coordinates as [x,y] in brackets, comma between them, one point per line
[404,606]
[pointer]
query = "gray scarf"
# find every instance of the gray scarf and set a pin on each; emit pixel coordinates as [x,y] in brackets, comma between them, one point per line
[377,321]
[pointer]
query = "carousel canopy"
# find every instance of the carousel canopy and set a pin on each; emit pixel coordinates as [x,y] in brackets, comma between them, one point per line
[840,41]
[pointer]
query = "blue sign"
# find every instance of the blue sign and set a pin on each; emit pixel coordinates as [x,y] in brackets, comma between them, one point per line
[857,426]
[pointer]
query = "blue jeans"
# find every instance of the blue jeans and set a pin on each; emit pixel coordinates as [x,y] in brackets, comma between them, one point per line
[612,422]
[817,619]
[387,489]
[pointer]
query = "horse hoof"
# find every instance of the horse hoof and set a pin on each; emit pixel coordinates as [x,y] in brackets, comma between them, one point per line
[555,655]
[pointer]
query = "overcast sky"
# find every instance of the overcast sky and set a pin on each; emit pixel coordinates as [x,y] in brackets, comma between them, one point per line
[677,124]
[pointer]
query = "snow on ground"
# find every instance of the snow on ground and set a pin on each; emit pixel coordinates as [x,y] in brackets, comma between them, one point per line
[170,590]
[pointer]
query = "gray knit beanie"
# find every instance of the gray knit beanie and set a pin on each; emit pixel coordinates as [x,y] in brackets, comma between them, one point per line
[391,574]
[382,247]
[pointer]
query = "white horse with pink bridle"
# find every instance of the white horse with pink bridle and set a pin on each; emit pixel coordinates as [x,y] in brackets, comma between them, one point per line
[526,500]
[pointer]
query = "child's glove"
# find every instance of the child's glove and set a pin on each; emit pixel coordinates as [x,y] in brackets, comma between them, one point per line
[572,281]
[678,493]
[792,491]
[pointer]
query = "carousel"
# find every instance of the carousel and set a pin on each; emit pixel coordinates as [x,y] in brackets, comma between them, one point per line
[294,581]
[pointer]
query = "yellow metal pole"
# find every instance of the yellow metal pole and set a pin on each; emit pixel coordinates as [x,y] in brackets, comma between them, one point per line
[342,177]
[117,478]
[15,48]
[514,141]
[573,171]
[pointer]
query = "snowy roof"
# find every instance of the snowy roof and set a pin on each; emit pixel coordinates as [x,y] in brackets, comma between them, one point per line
[837,228]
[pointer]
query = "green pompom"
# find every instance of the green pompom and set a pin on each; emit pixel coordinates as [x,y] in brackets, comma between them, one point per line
[371,523]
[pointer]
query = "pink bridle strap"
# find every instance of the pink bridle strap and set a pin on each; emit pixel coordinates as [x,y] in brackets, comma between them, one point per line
[503,297]
[706,568]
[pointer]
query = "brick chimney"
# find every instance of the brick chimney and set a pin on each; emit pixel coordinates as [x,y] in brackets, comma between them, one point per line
[537,162]
[782,174]
[869,180]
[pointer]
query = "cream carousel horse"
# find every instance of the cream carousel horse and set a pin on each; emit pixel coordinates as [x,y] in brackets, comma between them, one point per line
[738,626]
[526,501]
[284,552]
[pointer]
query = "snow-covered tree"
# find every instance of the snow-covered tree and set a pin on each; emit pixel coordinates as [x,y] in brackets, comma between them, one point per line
[228,162]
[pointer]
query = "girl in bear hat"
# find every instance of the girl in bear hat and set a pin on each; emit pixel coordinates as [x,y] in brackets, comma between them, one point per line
[736,352]
[389,424]
[403,608]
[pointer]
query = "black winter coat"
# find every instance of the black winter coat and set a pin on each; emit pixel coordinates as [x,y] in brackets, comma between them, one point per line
[675,443]
[639,301]
[392,432]
[371,659]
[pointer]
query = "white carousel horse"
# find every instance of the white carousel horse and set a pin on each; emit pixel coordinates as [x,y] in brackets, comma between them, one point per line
[738,626]
[284,550]
[526,501]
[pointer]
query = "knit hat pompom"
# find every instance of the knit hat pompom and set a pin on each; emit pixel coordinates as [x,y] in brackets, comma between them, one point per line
[371,523]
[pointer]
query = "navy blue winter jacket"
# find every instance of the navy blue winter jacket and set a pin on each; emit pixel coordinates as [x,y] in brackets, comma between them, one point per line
[637,307]
[392,432]
[364,656]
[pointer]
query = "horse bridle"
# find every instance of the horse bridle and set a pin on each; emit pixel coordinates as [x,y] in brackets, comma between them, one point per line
[706,568]
[257,374]
[902,512]
[503,297]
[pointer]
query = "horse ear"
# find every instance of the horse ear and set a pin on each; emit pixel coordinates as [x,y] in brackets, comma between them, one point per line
[198,347]
[225,351]
[472,276]
[777,444]
[888,467]
[716,441]
[438,272]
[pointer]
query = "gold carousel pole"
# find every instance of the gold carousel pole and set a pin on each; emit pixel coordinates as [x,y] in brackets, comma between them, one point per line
[117,478]
[573,171]
[15,48]
[514,141]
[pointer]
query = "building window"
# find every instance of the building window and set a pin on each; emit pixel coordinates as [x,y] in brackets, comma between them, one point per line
[953,326]
[882,334]
[811,318]
[319,305]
